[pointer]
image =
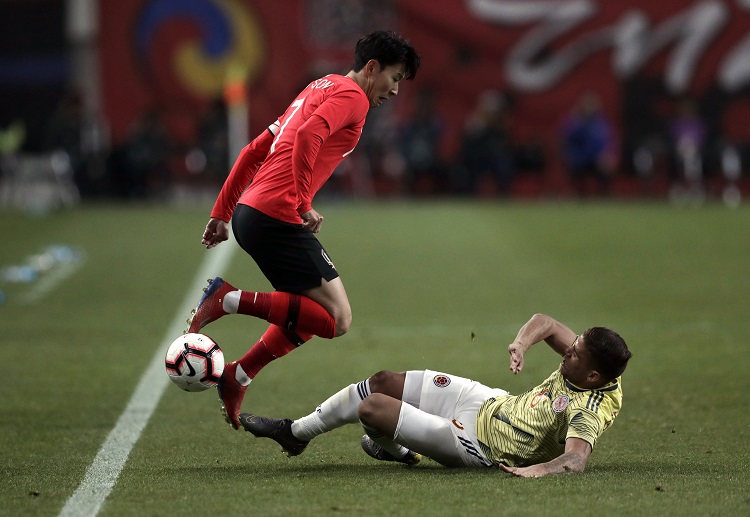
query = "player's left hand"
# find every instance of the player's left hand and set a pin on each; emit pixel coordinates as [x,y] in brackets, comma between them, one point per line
[523,472]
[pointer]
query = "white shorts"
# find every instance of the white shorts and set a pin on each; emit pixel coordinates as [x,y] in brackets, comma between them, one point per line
[438,417]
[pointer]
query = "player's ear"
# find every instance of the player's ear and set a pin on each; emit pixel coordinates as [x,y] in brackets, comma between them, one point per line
[594,377]
[372,66]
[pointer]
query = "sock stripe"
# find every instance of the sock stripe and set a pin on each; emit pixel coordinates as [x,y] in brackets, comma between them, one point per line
[363,389]
[292,315]
[294,338]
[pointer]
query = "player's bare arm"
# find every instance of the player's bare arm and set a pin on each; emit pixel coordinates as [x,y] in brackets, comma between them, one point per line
[539,328]
[217,231]
[573,460]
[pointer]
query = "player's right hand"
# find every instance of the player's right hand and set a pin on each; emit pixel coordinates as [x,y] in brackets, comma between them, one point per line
[217,231]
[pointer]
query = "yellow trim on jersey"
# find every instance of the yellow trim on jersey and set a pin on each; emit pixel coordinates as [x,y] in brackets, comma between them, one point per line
[532,427]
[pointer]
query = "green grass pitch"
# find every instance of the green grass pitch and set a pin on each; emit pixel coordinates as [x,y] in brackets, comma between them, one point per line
[441,285]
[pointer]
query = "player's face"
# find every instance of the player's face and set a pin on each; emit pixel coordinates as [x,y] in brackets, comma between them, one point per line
[577,363]
[383,83]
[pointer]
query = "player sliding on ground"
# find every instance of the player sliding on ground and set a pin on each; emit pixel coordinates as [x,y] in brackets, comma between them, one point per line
[273,219]
[550,429]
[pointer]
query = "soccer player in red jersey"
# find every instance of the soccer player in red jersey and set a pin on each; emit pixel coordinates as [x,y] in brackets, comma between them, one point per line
[268,197]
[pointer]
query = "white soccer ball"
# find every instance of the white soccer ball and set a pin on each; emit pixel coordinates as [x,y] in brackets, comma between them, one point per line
[194,362]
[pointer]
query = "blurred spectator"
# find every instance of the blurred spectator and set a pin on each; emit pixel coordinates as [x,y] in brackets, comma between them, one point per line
[687,139]
[419,146]
[140,164]
[83,139]
[12,138]
[64,128]
[64,132]
[213,141]
[588,144]
[529,155]
[374,168]
[485,159]
[11,141]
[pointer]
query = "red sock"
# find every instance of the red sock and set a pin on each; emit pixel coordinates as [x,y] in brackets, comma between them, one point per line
[275,342]
[289,311]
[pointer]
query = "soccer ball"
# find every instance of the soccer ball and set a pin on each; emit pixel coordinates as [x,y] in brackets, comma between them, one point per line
[194,362]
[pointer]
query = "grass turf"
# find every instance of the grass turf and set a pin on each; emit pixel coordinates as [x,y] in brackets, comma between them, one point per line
[433,285]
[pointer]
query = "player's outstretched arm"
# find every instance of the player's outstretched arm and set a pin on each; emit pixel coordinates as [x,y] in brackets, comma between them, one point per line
[574,459]
[539,328]
[217,231]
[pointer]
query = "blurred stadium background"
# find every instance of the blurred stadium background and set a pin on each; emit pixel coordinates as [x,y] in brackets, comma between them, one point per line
[152,99]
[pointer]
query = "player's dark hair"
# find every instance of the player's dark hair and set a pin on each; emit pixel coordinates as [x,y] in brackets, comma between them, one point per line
[387,48]
[608,350]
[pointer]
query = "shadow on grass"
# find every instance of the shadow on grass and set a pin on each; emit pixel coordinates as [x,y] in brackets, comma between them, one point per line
[333,469]
[634,469]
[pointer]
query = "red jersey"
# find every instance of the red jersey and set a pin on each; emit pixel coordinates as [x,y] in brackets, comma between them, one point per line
[316,132]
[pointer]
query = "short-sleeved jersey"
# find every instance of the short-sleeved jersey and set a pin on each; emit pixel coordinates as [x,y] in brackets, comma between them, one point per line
[531,428]
[343,105]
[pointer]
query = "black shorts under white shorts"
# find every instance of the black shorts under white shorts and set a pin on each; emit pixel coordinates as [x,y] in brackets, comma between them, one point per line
[290,257]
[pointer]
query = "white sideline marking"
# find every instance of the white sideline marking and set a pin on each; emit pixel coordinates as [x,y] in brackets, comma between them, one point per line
[103,472]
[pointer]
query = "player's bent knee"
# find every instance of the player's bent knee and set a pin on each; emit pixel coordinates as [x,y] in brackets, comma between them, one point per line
[371,408]
[343,323]
[341,329]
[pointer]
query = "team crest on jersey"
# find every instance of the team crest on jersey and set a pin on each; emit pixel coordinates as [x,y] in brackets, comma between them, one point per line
[441,381]
[560,403]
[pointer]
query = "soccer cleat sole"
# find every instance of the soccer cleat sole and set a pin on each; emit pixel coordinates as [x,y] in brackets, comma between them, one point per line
[376,452]
[225,414]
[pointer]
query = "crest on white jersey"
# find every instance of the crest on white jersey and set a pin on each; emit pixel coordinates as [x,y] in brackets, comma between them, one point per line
[441,381]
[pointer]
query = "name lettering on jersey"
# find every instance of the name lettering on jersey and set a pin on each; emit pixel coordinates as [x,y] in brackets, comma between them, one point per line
[320,84]
[560,403]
